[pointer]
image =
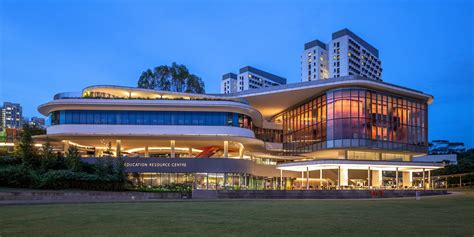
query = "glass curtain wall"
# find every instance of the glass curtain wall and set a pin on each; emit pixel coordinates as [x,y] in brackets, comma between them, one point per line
[150,118]
[356,118]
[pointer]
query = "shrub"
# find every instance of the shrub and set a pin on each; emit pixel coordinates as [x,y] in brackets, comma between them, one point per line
[7,160]
[18,176]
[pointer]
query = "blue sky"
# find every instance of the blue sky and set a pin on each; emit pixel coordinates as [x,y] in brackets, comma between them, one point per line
[48,47]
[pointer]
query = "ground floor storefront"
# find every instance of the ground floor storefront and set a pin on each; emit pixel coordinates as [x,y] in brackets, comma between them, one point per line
[212,181]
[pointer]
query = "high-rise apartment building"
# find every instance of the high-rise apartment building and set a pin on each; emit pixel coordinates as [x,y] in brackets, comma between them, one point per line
[347,54]
[253,78]
[11,115]
[314,61]
[36,121]
[229,83]
[249,78]
[351,55]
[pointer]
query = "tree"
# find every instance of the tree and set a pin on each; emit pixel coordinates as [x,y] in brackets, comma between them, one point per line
[120,169]
[48,157]
[26,149]
[73,159]
[171,78]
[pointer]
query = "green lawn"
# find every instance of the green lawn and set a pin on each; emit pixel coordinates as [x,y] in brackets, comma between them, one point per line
[434,216]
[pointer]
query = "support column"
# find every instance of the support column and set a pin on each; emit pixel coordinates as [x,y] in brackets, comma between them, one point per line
[396,178]
[320,178]
[369,178]
[172,145]
[118,148]
[429,179]
[344,176]
[226,149]
[241,151]
[423,181]
[307,178]
[147,153]
[407,179]
[338,177]
[377,178]
[302,179]
[281,179]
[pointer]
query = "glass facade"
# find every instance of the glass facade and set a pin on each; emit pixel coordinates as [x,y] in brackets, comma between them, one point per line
[209,181]
[116,117]
[356,117]
[268,135]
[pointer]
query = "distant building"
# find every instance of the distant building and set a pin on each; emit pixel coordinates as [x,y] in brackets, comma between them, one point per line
[11,115]
[442,147]
[347,54]
[36,121]
[229,83]
[253,78]
[314,61]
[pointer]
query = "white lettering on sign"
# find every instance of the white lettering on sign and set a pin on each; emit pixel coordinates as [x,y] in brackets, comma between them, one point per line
[155,164]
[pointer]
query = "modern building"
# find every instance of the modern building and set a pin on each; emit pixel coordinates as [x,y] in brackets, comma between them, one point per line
[253,78]
[314,61]
[346,132]
[229,83]
[36,121]
[345,55]
[11,115]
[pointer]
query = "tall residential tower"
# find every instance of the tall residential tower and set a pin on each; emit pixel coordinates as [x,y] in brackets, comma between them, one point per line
[11,115]
[347,54]
[249,78]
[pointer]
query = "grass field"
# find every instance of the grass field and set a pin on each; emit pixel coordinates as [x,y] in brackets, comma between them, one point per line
[431,216]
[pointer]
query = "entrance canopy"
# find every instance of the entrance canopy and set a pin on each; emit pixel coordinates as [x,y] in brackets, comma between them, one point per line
[359,165]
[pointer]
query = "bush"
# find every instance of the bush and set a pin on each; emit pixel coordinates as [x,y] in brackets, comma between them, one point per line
[7,160]
[18,176]
[24,177]
[176,188]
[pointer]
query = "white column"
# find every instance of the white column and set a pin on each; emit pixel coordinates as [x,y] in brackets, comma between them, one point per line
[241,151]
[281,179]
[118,148]
[429,179]
[307,178]
[369,178]
[147,153]
[344,176]
[302,179]
[320,178]
[423,181]
[338,177]
[407,179]
[396,178]
[377,178]
[226,149]
[172,145]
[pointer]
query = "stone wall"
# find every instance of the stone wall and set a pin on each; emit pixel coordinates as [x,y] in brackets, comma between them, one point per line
[311,194]
[84,196]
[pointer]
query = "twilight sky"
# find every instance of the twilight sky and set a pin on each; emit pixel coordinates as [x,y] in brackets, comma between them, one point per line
[47,47]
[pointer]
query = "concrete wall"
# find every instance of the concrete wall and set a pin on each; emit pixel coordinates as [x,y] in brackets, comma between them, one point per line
[84,196]
[310,194]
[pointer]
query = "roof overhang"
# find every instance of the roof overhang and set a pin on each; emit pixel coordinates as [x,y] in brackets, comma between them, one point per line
[271,101]
[359,165]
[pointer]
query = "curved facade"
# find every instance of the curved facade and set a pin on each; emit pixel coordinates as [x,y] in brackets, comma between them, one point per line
[130,117]
[356,118]
[349,118]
